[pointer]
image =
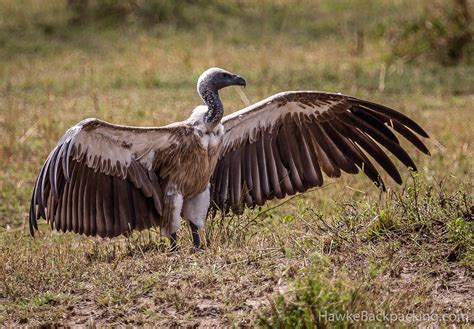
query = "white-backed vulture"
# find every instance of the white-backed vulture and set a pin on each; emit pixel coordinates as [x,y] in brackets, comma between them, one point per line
[107,180]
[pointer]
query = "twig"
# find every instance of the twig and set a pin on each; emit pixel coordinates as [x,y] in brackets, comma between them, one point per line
[28,133]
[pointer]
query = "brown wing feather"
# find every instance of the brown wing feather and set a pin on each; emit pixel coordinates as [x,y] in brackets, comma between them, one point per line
[289,139]
[100,179]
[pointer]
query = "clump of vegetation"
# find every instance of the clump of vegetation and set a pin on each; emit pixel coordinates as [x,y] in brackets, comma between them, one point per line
[443,32]
[321,302]
[145,12]
[423,229]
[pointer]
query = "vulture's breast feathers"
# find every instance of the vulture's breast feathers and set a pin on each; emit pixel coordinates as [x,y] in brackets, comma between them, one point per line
[209,137]
[198,155]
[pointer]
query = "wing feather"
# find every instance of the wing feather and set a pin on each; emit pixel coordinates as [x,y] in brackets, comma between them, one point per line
[140,210]
[84,204]
[77,219]
[248,171]
[86,180]
[288,153]
[337,147]
[323,153]
[395,115]
[117,207]
[403,130]
[296,166]
[375,123]
[316,177]
[223,191]
[348,147]
[310,175]
[283,174]
[392,146]
[370,147]
[108,206]
[273,177]
[254,165]
[288,140]
[218,181]
[262,168]
[93,211]
[99,204]
[236,174]
[68,223]
[133,211]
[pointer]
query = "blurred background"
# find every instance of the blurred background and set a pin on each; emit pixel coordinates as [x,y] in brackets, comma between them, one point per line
[137,61]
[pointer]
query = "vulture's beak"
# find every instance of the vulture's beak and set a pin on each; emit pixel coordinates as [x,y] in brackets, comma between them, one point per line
[239,81]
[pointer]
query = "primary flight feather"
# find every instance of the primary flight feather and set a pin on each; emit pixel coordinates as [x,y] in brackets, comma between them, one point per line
[107,180]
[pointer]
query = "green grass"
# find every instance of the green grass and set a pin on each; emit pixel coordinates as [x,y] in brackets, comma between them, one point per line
[343,247]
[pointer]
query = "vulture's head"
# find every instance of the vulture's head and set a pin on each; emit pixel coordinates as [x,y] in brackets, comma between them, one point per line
[215,78]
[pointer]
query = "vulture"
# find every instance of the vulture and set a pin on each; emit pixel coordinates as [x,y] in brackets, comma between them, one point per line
[103,179]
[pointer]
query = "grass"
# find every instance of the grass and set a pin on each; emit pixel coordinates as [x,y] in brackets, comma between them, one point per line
[341,248]
[380,253]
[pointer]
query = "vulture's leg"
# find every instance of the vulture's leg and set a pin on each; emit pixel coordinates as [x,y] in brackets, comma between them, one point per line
[173,204]
[196,237]
[173,241]
[195,211]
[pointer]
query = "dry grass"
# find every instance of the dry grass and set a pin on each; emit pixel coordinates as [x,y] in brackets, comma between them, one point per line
[53,75]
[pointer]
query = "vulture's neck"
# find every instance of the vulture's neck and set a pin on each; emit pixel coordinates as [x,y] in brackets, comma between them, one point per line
[215,109]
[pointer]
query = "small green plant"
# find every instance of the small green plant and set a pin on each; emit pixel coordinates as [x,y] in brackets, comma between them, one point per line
[461,236]
[319,302]
[44,299]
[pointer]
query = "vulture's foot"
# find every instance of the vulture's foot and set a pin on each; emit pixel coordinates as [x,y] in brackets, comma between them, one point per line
[197,249]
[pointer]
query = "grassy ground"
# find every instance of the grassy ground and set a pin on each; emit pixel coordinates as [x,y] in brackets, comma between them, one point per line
[341,248]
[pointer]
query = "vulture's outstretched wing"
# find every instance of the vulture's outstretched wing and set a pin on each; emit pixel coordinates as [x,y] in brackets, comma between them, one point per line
[100,179]
[281,145]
